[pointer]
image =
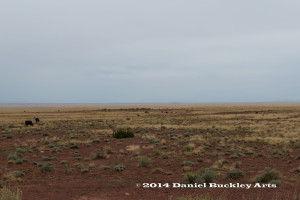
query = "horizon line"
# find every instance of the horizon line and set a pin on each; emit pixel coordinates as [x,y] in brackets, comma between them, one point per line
[149,103]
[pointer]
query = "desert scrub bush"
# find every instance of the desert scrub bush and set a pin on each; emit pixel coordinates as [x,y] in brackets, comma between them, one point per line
[7,194]
[107,149]
[73,145]
[267,176]
[68,170]
[119,168]
[155,152]
[260,154]
[122,134]
[85,170]
[157,170]
[97,154]
[18,174]
[204,175]
[144,161]
[235,174]
[48,158]
[95,141]
[18,162]
[106,167]
[46,167]
[187,163]
[14,156]
[63,162]
[165,156]
[233,156]
[237,164]
[188,148]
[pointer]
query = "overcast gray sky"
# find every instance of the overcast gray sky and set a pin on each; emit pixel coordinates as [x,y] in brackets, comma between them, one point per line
[128,51]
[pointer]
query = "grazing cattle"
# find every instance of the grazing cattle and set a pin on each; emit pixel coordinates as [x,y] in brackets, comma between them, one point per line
[37,120]
[28,122]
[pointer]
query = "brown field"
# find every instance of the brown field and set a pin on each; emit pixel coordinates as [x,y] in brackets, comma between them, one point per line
[71,154]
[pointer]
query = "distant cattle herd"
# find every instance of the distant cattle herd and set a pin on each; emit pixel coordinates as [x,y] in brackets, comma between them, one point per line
[29,122]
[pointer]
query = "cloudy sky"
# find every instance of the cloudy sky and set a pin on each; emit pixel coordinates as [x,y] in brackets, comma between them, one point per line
[129,51]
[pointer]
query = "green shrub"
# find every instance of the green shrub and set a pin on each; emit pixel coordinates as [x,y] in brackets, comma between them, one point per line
[165,156]
[260,154]
[68,170]
[267,176]
[277,182]
[46,158]
[187,148]
[7,194]
[144,161]
[73,145]
[56,149]
[14,156]
[119,168]
[18,174]
[234,156]
[155,152]
[235,174]
[187,163]
[98,154]
[63,162]
[9,136]
[96,141]
[237,164]
[204,175]
[84,170]
[106,167]
[18,162]
[46,167]
[169,173]
[157,170]
[122,134]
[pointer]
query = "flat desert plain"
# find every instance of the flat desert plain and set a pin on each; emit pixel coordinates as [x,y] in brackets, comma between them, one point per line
[171,151]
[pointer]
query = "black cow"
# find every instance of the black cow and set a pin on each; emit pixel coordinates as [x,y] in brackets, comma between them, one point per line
[37,120]
[28,122]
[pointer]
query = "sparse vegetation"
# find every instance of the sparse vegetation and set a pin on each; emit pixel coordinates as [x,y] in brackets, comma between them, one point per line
[123,134]
[46,167]
[119,168]
[187,163]
[232,142]
[144,161]
[267,176]
[98,154]
[204,175]
[235,174]
[7,194]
